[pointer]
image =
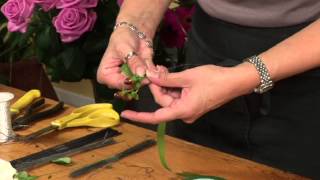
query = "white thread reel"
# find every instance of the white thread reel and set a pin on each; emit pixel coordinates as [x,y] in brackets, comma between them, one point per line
[6,132]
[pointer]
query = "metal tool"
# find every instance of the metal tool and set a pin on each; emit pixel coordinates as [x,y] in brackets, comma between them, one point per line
[134,149]
[34,105]
[86,143]
[24,101]
[93,115]
[31,115]
[6,132]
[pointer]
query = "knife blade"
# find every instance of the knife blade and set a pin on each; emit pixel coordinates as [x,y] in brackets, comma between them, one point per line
[86,143]
[134,149]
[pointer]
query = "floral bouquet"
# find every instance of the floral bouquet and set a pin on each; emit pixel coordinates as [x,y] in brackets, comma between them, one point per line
[70,36]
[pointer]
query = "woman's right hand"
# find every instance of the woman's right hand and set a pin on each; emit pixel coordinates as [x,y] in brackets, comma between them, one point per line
[122,42]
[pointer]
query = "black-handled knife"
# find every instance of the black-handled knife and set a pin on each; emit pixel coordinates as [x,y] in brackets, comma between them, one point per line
[134,149]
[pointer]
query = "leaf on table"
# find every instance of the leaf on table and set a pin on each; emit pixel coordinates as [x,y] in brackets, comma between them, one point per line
[63,161]
[193,176]
[23,175]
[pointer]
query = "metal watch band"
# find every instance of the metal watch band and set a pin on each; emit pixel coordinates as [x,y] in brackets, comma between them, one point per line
[133,28]
[265,79]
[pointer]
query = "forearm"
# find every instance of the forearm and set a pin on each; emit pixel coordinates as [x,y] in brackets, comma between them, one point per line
[297,54]
[145,14]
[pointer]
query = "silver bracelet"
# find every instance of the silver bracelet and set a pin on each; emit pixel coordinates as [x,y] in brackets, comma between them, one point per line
[133,28]
[265,80]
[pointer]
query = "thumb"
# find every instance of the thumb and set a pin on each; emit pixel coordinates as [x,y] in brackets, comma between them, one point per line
[167,79]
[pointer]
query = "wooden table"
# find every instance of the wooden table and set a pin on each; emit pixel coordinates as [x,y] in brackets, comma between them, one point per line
[181,156]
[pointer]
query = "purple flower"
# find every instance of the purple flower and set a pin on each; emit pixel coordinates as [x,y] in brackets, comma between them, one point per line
[120,2]
[184,15]
[18,13]
[46,5]
[71,23]
[77,3]
[171,33]
[176,24]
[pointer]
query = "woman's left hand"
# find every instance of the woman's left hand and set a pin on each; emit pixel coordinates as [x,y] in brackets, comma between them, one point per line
[189,94]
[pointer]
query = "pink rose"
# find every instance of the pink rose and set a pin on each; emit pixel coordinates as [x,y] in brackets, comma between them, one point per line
[77,3]
[18,13]
[71,23]
[46,5]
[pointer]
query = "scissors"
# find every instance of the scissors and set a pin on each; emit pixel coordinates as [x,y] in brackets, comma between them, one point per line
[32,113]
[93,115]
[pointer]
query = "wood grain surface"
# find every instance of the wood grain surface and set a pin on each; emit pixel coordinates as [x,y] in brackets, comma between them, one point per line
[181,155]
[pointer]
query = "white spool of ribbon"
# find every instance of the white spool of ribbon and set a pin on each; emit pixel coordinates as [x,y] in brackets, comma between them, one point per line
[6,132]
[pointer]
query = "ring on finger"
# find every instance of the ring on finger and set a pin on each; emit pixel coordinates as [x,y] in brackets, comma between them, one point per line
[129,56]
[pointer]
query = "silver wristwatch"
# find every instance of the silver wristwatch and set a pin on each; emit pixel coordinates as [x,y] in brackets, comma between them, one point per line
[265,80]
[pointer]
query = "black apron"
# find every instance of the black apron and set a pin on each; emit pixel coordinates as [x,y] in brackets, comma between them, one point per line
[280,128]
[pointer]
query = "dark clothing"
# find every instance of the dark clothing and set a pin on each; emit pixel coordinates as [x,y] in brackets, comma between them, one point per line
[263,13]
[280,128]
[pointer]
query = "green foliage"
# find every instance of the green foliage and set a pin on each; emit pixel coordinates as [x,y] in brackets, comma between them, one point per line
[63,161]
[64,61]
[130,94]
[161,132]
[193,176]
[23,175]
[76,60]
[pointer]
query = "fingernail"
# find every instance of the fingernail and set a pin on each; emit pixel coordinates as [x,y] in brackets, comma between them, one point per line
[158,68]
[140,71]
[150,65]
[152,74]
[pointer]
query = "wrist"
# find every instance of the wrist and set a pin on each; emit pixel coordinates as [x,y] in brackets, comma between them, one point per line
[141,24]
[265,80]
[145,14]
[271,65]
[141,35]
[248,78]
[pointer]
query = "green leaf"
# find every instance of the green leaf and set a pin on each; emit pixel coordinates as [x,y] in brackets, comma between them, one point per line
[43,39]
[68,57]
[134,95]
[63,161]
[74,64]
[23,175]
[126,70]
[47,41]
[136,78]
[193,176]
[161,131]
[94,43]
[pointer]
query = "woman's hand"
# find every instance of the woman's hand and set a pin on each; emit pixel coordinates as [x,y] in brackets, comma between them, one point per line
[122,42]
[196,91]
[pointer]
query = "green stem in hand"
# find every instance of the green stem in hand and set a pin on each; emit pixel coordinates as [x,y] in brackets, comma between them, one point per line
[130,94]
